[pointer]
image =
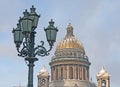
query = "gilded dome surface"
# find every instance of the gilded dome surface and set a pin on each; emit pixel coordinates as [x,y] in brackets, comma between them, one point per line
[69,41]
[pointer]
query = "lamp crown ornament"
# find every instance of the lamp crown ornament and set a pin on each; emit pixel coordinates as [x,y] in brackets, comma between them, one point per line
[32,9]
[26,13]
[51,22]
[18,26]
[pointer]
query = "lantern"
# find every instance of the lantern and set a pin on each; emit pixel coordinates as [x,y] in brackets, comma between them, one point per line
[33,15]
[18,36]
[26,23]
[51,33]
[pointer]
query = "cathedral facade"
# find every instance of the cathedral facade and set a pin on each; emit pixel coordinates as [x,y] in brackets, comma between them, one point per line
[70,66]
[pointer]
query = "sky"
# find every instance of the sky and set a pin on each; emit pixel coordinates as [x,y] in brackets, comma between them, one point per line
[96,24]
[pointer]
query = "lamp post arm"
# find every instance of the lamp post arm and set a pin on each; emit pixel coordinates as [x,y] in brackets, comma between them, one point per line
[40,50]
[49,49]
[24,51]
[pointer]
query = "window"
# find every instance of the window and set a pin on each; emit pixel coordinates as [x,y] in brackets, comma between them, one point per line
[103,83]
[83,73]
[61,73]
[56,74]
[71,73]
[76,71]
[65,72]
[42,82]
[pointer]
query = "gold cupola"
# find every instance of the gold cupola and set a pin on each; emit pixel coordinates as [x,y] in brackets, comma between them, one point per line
[69,41]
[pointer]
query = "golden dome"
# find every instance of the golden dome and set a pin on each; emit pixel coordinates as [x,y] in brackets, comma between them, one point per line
[69,41]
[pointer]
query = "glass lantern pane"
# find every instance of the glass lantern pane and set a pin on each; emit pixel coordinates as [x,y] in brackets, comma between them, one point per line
[26,25]
[29,25]
[48,34]
[53,35]
[35,21]
[18,36]
[35,18]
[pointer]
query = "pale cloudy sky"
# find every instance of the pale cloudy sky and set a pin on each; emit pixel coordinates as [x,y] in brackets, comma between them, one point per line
[96,24]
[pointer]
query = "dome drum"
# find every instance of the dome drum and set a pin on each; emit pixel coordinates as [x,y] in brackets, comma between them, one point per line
[69,62]
[69,70]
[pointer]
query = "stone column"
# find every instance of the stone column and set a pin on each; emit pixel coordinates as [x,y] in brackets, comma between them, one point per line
[78,72]
[51,73]
[55,74]
[107,83]
[59,72]
[82,72]
[85,73]
[88,73]
[74,71]
[68,72]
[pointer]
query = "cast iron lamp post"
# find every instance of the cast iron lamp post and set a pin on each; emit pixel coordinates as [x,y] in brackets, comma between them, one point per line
[25,34]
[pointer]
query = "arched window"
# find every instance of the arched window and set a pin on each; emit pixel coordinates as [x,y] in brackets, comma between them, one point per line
[75,54]
[61,73]
[70,53]
[83,73]
[56,74]
[42,83]
[88,73]
[76,71]
[103,83]
[71,73]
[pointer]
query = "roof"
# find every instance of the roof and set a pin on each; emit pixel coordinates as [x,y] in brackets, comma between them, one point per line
[103,72]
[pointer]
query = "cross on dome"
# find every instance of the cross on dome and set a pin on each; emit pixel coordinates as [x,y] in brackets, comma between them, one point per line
[69,30]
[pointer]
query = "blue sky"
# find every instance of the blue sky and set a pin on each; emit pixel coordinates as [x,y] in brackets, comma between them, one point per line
[96,24]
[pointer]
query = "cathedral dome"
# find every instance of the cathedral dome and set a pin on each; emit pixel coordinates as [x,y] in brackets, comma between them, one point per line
[70,65]
[70,48]
[69,41]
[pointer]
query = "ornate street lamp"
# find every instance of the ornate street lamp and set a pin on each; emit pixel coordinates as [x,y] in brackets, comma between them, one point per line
[25,34]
